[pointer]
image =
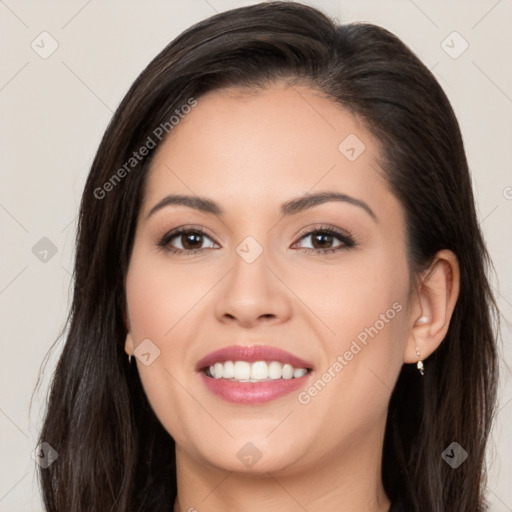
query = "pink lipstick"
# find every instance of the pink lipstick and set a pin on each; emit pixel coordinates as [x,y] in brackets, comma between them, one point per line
[253,374]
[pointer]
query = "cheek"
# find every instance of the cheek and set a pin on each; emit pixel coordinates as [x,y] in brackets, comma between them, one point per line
[362,307]
[161,297]
[163,306]
[363,356]
[161,301]
[352,296]
[376,333]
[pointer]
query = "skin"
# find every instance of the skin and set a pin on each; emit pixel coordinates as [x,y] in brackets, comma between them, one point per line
[250,152]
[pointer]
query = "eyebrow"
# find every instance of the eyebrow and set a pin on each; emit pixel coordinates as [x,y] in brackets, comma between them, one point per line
[288,208]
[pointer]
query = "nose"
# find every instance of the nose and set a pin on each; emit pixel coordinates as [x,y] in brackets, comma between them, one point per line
[252,294]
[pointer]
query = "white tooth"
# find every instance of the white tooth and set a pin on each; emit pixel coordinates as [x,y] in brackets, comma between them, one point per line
[255,372]
[242,370]
[218,370]
[229,370]
[259,370]
[274,370]
[299,372]
[287,371]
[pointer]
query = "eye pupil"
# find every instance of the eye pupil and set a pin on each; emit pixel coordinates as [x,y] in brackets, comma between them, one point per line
[193,239]
[322,239]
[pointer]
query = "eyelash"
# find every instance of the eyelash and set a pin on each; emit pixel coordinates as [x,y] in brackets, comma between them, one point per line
[347,240]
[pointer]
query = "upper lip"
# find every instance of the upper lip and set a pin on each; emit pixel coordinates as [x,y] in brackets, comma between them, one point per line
[251,354]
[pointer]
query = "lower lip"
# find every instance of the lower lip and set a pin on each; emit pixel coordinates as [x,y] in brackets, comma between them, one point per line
[251,393]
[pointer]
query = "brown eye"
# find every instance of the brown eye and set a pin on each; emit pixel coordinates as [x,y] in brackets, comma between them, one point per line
[324,240]
[185,241]
[190,240]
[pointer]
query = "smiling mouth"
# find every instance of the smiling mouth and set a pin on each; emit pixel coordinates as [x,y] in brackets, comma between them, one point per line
[257,371]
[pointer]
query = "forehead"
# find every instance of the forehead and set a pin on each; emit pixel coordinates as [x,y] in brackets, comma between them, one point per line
[252,148]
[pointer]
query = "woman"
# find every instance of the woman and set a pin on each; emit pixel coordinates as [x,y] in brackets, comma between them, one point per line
[279,231]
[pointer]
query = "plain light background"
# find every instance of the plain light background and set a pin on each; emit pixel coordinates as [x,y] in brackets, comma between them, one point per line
[55,108]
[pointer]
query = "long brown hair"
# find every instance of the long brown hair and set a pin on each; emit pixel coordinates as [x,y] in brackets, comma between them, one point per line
[113,453]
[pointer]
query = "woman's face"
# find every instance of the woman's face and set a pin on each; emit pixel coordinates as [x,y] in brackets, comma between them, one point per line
[255,275]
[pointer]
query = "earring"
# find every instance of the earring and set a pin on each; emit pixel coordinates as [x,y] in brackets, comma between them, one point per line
[422,320]
[419,364]
[129,359]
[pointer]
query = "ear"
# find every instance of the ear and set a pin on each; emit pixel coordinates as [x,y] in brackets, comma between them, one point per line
[436,294]
[129,346]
